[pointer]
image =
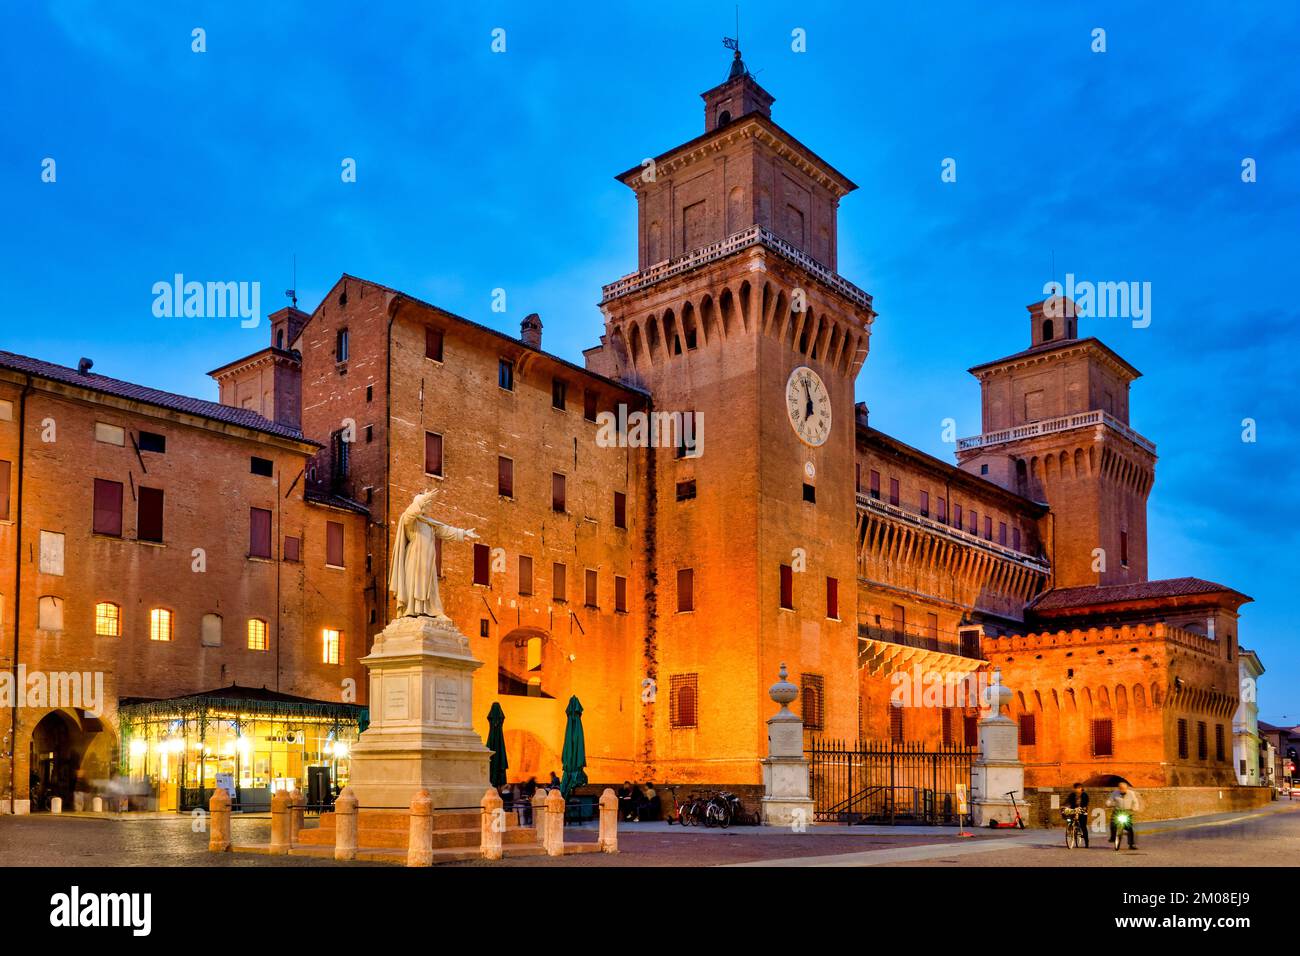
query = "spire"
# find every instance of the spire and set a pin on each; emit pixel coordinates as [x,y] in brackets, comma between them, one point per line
[738,95]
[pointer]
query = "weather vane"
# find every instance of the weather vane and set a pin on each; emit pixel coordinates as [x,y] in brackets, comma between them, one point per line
[733,43]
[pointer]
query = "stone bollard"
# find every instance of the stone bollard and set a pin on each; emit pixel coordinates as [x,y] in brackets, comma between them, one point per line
[345,825]
[539,815]
[608,822]
[554,839]
[56,804]
[419,848]
[97,805]
[280,822]
[297,813]
[219,821]
[494,825]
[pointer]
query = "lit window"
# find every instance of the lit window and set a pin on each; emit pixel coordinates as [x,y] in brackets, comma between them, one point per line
[160,624]
[256,634]
[108,619]
[331,646]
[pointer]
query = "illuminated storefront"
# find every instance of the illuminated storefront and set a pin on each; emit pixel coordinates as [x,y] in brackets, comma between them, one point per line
[250,741]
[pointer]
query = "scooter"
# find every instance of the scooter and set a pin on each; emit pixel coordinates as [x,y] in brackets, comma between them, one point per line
[1017,824]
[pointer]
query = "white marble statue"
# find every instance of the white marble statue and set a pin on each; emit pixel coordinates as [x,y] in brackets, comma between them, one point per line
[413,577]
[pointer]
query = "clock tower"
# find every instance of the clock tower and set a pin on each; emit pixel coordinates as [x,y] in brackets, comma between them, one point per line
[738,317]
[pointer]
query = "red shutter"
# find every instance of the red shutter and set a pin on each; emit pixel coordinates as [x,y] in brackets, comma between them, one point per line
[557,492]
[591,588]
[482,557]
[787,586]
[433,344]
[620,594]
[832,598]
[620,510]
[558,588]
[893,491]
[149,523]
[505,477]
[525,574]
[293,549]
[432,454]
[259,533]
[334,543]
[4,490]
[685,589]
[108,504]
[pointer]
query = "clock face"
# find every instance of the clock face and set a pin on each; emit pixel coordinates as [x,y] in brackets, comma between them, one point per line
[809,406]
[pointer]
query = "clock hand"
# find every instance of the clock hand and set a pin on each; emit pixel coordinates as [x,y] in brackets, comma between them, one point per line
[808,409]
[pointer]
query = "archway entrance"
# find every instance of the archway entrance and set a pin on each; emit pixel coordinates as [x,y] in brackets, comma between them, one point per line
[53,760]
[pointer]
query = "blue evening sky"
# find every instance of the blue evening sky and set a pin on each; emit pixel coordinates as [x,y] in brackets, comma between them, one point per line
[478,170]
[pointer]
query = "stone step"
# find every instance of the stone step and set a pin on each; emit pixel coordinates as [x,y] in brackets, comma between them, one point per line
[398,856]
[387,838]
[400,820]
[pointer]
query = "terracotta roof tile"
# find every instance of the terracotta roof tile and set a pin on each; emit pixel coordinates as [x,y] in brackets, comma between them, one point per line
[1066,598]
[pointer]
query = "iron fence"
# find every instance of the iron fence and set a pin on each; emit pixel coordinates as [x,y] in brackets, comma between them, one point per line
[887,781]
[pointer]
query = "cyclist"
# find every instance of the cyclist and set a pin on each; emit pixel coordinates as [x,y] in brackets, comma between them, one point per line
[1076,802]
[1126,801]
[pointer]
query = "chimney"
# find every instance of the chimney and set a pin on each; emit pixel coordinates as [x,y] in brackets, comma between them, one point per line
[530,330]
[860,413]
[84,366]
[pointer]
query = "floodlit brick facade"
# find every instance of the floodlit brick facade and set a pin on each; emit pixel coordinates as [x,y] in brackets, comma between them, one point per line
[662,576]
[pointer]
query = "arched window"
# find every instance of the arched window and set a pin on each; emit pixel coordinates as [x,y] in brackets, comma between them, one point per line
[724,118]
[108,619]
[1048,330]
[256,634]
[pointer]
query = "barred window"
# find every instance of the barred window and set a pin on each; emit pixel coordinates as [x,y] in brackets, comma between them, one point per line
[895,722]
[1102,739]
[683,700]
[1028,731]
[945,727]
[812,694]
[1218,743]
[1182,738]
[1202,748]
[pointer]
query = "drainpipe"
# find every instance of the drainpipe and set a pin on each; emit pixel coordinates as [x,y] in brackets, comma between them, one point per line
[18,596]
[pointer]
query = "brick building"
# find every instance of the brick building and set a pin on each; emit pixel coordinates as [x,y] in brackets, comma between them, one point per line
[660,574]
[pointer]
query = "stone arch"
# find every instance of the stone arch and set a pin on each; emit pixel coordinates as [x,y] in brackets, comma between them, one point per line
[1078,462]
[706,318]
[638,348]
[672,336]
[531,662]
[746,296]
[652,338]
[726,311]
[690,330]
[64,745]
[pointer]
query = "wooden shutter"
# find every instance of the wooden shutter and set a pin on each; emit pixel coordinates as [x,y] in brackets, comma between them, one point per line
[259,533]
[620,593]
[334,543]
[557,492]
[620,510]
[505,477]
[149,524]
[1102,743]
[685,589]
[482,564]
[433,344]
[832,598]
[787,586]
[432,453]
[5,468]
[108,505]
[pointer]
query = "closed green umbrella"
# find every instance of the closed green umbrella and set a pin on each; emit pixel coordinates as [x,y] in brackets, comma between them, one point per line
[496,742]
[574,756]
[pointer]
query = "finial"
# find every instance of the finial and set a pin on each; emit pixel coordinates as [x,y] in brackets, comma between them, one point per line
[783,692]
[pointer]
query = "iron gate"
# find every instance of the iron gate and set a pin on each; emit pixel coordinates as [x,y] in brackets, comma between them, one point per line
[887,781]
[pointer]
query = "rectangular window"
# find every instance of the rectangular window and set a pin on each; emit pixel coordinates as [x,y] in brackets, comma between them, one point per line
[683,701]
[956,515]
[482,564]
[331,642]
[787,587]
[945,727]
[620,510]
[559,392]
[620,593]
[256,634]
[433,344]
[988,528]
[1028,731]
[812,701]
[1202,744]
[685,589]
[925,504]
[292,549]
[152,441]
[432,453]
[1102,738]
[160,624]
[505,476]
[51,561]
[5,470]
[557,492]
[110,434]
[893,492]
[809,493]
[341,345]
[971,730]
[1218,743]
[108,506]
[686,490]
[833,599]
[261,466]
[149,515]
[558,583]
[259,533]
[525,574]
[895,722]
[875,484]
[941,510]
[1123,548]
[108,619]
[591,581]
[1182,738]
[1015,539]
[1002,533]
[506,375]
[589,405]
[334,544]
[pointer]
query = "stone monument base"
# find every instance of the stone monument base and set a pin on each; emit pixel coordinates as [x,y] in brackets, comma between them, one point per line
[785,792]
[420,735]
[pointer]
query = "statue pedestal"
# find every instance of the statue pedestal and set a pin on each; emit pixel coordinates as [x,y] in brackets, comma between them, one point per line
[786,796]
[420,735]
[996,771]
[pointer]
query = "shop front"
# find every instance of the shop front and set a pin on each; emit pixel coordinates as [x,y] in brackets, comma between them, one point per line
[248,741]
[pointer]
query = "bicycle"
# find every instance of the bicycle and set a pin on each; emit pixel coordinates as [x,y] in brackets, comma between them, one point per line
[1075,821]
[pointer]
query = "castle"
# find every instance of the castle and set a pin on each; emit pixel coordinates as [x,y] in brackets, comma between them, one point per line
[237,551]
